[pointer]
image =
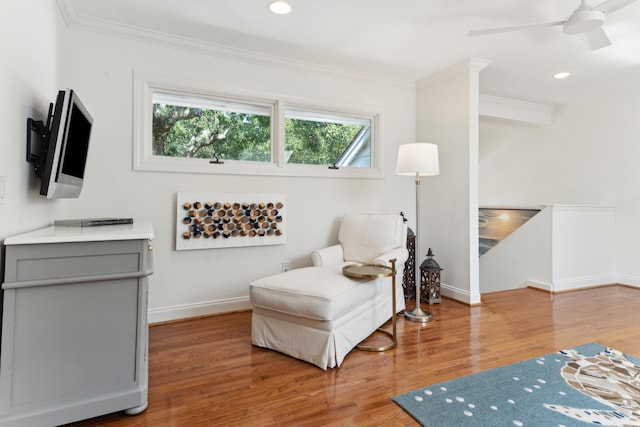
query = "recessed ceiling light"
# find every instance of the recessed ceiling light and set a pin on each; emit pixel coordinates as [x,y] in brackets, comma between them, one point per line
[561,75]
[280,7]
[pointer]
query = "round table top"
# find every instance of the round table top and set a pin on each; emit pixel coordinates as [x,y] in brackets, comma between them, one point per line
[366,271]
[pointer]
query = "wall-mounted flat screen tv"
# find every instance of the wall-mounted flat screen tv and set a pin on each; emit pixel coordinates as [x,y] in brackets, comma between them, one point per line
[66,147]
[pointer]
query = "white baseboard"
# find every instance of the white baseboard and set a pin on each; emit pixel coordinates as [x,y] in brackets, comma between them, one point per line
[539,285]
[176,312]
[459,294]
[184,311]
[627,280]
[583,282]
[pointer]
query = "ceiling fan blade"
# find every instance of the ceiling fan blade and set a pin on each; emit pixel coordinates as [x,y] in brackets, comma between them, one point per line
[514,28]
[597,39]
[610,6]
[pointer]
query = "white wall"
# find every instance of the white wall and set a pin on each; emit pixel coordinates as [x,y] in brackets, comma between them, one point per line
[563,247]
[583,246]
[588,156]
[28,83]
[100,68]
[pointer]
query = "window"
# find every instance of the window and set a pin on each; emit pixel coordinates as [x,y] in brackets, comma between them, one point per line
[185,126]
[327,139]
[185,129]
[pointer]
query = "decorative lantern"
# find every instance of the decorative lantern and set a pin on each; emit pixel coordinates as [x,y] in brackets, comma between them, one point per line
[430,280]
[409,278]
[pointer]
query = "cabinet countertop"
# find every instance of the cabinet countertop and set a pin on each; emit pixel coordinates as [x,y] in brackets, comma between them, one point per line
[58,234]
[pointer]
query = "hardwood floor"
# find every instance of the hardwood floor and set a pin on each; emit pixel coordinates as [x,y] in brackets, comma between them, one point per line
[205,372]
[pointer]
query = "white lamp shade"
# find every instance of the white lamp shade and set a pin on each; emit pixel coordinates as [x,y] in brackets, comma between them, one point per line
[418,158]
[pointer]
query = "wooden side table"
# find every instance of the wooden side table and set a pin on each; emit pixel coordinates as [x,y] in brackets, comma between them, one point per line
[370,272]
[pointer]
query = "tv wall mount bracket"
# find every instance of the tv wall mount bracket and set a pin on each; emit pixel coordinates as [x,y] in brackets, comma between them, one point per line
[42,131]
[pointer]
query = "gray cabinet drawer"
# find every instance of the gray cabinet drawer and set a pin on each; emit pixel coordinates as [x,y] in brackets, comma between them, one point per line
[55,261]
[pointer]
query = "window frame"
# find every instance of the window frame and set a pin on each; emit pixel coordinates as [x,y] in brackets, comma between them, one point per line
[145,84]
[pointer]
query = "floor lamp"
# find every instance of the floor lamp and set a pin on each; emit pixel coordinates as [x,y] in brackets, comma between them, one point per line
[418,159]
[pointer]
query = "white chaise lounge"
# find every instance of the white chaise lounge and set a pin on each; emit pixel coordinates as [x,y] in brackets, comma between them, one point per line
[318,315]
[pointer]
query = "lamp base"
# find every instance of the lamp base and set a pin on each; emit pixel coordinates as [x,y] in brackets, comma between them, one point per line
[418,315]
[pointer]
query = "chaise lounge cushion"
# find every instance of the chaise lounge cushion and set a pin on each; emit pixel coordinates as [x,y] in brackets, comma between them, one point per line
[319,293]
[365,237]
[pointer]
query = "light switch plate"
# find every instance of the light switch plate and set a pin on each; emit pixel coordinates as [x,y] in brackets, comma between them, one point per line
[3,185]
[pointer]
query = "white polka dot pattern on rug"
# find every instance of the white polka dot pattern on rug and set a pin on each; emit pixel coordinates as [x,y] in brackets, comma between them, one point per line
[468,409]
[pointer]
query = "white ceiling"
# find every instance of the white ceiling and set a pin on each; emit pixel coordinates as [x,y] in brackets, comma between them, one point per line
[401,39]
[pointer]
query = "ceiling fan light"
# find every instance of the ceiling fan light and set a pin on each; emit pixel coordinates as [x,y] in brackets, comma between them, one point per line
[583,22]
[280,7]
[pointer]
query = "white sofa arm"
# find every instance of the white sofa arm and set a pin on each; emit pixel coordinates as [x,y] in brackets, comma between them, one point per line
[400,254]
[328,256]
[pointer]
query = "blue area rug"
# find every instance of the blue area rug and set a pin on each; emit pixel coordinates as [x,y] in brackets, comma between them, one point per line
[589,384]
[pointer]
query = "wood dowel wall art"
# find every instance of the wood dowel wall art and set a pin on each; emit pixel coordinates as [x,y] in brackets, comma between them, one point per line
[224,220]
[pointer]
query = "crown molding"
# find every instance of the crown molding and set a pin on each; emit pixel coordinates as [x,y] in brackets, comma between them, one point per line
[515,110]
[92,24]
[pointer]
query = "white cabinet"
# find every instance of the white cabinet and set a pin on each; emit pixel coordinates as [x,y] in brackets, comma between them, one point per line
[74,324]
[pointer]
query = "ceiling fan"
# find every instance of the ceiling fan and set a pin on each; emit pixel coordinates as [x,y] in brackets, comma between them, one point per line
[584,20]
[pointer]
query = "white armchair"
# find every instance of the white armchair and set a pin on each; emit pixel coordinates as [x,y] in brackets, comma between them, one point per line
[319,315]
